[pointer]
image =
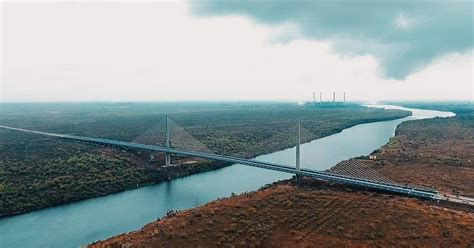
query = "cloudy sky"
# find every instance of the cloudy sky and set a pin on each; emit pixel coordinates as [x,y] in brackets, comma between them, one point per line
[273,50]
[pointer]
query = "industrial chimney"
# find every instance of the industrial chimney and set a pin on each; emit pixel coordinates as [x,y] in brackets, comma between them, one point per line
[334,97]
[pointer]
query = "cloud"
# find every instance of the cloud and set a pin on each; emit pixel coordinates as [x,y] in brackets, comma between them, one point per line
[404,36]
[403,21]
[231,57]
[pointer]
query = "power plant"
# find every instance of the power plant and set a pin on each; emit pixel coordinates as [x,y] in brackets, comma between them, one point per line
[334,101]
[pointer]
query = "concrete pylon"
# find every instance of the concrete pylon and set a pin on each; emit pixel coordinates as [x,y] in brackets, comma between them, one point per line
[168,156]
[298,150]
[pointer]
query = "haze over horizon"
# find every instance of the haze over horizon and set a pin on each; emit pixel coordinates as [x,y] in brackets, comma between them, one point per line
[201,51]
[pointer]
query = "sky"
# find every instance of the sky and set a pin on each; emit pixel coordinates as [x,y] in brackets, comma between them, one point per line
[238,51]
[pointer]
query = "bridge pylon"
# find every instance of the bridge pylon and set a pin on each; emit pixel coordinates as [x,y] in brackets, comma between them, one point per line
[298,142]
[168,156]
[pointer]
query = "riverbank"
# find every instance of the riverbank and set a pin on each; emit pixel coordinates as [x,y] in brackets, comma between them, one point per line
[431,152]
[308,214]
[40,172]
[436,153]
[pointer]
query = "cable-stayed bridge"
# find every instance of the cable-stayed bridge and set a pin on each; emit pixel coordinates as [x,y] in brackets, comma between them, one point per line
[346,172]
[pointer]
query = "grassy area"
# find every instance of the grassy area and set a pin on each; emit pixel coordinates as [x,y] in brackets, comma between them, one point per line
[37,171]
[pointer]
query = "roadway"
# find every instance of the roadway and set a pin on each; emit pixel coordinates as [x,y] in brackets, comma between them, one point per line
[320,175]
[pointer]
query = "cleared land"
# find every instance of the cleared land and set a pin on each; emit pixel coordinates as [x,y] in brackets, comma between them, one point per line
[309,215]
[38,172]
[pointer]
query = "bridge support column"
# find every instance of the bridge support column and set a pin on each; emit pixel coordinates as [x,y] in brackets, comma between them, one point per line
[298,150]
[168,156]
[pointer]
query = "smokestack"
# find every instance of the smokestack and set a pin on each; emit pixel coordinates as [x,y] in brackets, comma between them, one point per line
[334,97]
[314,98]
[320,97]
[344,97]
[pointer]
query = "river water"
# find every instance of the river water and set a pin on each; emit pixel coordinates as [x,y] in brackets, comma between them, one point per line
[83,222]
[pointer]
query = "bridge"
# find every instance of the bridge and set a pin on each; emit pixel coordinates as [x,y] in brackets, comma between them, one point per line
[333,176]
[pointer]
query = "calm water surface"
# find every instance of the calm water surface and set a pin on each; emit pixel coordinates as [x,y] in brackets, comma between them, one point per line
[80,223]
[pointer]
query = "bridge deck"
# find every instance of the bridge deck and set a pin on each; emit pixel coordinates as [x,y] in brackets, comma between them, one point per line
[321,175]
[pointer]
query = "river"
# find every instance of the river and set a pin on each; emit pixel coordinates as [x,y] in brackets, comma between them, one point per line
[83,222]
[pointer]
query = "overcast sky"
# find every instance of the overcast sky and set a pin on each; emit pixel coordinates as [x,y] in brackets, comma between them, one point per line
[268,51]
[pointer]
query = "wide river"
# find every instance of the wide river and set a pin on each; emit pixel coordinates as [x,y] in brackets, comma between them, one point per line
[83,222]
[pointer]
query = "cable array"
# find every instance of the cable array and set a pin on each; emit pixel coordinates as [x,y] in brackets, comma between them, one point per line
[183,140]
[273,137]
[155,135]
[357,169]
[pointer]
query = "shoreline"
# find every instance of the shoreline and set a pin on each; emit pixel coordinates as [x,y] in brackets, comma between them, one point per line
[198,168]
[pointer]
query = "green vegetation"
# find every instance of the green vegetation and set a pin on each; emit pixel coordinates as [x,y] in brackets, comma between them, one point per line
[38,171]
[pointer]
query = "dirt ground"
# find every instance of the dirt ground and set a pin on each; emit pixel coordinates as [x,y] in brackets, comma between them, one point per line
[438,153]
[286,215]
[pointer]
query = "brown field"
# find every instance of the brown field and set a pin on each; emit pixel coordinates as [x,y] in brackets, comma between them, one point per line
[309,215]
[438,153]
